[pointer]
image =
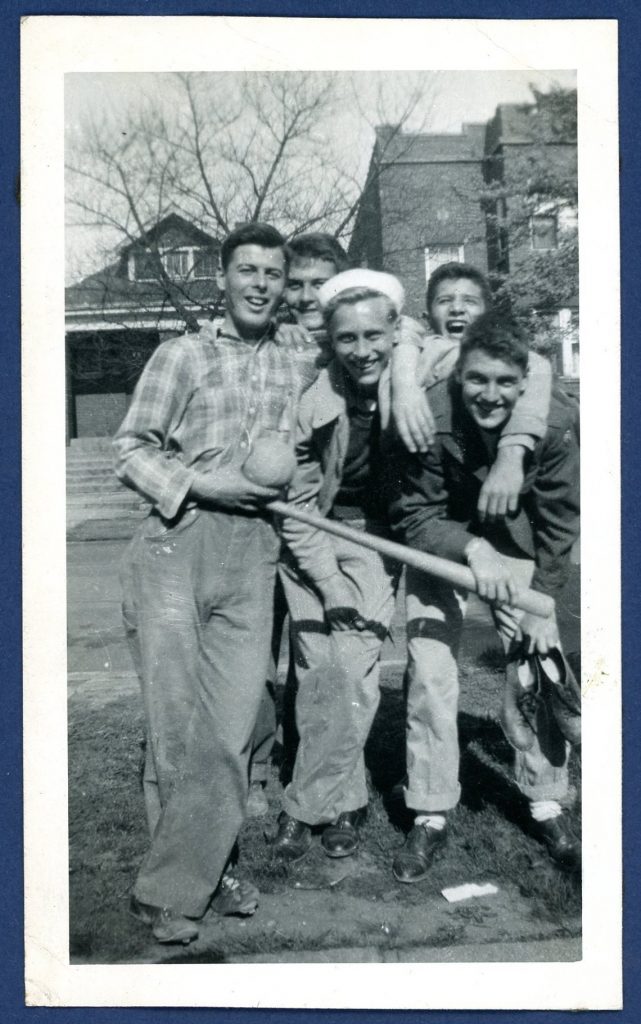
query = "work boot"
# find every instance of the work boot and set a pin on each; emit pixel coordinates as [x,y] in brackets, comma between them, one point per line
[562,845]
[234,896]
[423,846]
[342,839]
[520,703]
[293,839]
[167,925]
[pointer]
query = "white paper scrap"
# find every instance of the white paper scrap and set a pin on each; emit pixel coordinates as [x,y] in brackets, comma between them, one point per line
[465,892]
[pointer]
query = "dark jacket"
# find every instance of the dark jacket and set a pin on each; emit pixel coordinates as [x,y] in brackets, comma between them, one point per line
[434,495]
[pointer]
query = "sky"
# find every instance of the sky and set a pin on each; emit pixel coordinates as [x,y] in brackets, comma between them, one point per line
[455,97]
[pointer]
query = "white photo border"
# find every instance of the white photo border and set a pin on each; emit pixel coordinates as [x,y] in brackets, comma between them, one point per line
[55,45]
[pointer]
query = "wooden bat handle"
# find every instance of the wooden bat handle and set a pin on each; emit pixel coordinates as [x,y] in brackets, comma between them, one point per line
[527,600]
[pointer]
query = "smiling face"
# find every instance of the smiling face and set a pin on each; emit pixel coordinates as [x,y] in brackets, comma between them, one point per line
[253,283]
[304,278]
[362,336]
[490,388]
[455,305]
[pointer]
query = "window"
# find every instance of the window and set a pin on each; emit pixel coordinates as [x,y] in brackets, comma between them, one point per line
[569,333]
[557,336]
[437,255]
[144,266]
[179,264]
[204,264]
[544,233]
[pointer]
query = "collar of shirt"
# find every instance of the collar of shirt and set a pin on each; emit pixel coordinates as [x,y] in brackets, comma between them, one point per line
[215,331]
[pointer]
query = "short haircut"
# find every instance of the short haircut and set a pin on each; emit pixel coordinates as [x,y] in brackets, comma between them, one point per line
[457,272]
[351,296]
[500,337]
[318,246]
[255,233]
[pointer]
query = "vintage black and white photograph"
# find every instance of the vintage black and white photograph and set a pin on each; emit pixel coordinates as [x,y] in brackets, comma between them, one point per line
[322,415]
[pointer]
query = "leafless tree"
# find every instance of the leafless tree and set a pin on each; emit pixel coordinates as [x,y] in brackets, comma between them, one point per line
[229,148]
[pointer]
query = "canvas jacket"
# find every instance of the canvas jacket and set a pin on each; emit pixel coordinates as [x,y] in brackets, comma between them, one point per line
[322,438]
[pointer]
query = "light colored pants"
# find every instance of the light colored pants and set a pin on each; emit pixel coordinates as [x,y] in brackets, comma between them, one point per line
[435,614]
[198,604]
[338,684]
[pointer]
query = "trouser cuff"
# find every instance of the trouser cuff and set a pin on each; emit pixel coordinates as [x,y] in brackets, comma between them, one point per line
[423,801]
[547,791]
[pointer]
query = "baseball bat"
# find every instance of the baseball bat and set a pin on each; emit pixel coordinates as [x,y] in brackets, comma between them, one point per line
[527,600]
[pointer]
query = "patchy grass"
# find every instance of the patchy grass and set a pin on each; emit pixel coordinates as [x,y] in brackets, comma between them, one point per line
[488,842]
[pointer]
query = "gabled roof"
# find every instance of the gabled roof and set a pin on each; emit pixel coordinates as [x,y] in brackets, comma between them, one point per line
[182,230]
[111,288]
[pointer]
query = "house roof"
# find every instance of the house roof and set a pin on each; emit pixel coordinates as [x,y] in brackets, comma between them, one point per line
[522,123]
[451,147]
[174,226]
[111,288]
[513,123]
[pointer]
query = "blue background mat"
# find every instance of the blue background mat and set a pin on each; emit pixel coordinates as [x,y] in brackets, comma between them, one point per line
[11,916]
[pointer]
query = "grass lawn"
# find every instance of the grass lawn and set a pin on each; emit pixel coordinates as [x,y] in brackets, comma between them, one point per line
[108,832]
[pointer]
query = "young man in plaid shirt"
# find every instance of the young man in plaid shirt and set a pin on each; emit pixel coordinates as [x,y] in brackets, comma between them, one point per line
[199,582]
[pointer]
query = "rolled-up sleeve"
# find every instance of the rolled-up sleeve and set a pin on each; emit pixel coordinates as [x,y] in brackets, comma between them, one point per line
[142,458]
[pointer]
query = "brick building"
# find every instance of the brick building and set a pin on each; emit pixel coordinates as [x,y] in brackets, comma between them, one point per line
[482,196]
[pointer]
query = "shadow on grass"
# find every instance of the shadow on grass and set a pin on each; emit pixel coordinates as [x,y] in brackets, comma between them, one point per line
[108,836]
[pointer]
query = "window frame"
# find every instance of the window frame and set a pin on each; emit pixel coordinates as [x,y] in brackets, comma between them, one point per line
[193,260]
[459,246]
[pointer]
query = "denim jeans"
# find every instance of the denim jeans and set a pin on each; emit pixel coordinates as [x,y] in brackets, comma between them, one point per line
[198,604]
[435,614]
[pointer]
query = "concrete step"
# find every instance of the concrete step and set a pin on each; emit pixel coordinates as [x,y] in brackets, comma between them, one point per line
[89,462]
[122,528]
[90,444]
[104,505]
[94,473]
[106,485]
[95,515]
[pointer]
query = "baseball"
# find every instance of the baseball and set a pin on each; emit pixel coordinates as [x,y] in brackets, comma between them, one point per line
[270,463]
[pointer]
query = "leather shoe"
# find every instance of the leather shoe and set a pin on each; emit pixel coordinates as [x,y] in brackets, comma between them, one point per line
[562,693]
[293,839]
[520,703]
[167,925]
[342,839]
[234,896]
[563,847]
[422,847]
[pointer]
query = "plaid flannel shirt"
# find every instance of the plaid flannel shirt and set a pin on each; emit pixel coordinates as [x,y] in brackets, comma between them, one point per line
[202,399]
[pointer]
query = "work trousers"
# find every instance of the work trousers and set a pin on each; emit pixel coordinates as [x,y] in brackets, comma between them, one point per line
[338,683]
[198,605]
[264,736]
[435,614]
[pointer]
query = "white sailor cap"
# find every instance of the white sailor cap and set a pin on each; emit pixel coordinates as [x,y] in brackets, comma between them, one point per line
[375,280]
